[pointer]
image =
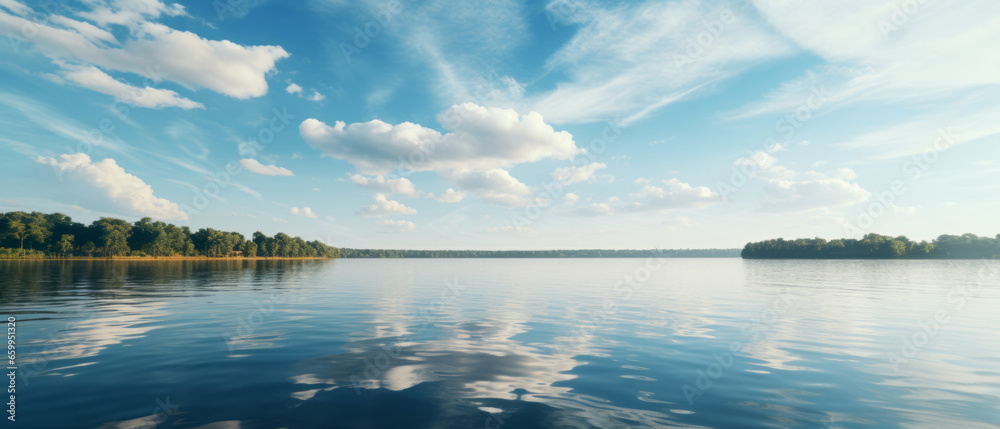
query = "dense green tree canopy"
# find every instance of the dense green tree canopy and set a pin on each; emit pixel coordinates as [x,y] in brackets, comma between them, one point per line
[875,246]
[56,235]
[579,253]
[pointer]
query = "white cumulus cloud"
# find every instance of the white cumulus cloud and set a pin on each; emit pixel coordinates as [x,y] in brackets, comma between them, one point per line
[804,195]
[674,195]
[151,50]
[305,211]
[129,13]
[385,185]
[786,190]
[595,209]
[574,174]
[451,196]
[316,96]
[759,159]
[478,138]
[385,207]
[399,225]
[122,189]
[495,186]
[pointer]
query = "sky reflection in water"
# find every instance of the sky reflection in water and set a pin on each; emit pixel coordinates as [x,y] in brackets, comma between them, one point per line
[504,343]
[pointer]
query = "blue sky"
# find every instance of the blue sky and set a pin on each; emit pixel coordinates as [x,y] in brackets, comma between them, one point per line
[504,124]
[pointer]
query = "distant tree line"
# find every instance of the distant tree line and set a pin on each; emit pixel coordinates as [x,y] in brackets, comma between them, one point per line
[39,235]
[875,246]
[584,253]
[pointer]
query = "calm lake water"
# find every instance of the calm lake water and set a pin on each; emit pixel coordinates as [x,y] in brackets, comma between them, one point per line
[506,343]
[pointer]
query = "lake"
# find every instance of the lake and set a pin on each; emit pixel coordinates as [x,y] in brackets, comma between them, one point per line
[505,343]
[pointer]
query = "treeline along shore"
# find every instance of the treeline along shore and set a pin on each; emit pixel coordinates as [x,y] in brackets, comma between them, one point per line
[875,246]
[38,235]
[568,253]
[55,236]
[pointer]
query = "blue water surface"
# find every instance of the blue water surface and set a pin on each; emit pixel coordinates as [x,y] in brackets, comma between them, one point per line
[511,343]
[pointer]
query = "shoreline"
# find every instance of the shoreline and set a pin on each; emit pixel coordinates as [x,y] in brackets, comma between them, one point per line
[264,258]
[166,258]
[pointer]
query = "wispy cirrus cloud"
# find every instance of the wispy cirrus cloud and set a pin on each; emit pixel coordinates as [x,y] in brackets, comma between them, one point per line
[254,166]
[630,60]
[50,119]
[15,7]
[459,43]
[94,79]
[875,52]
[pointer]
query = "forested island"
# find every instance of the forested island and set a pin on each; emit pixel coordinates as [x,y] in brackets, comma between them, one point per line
[41,236]
[569,253]
[875,246]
